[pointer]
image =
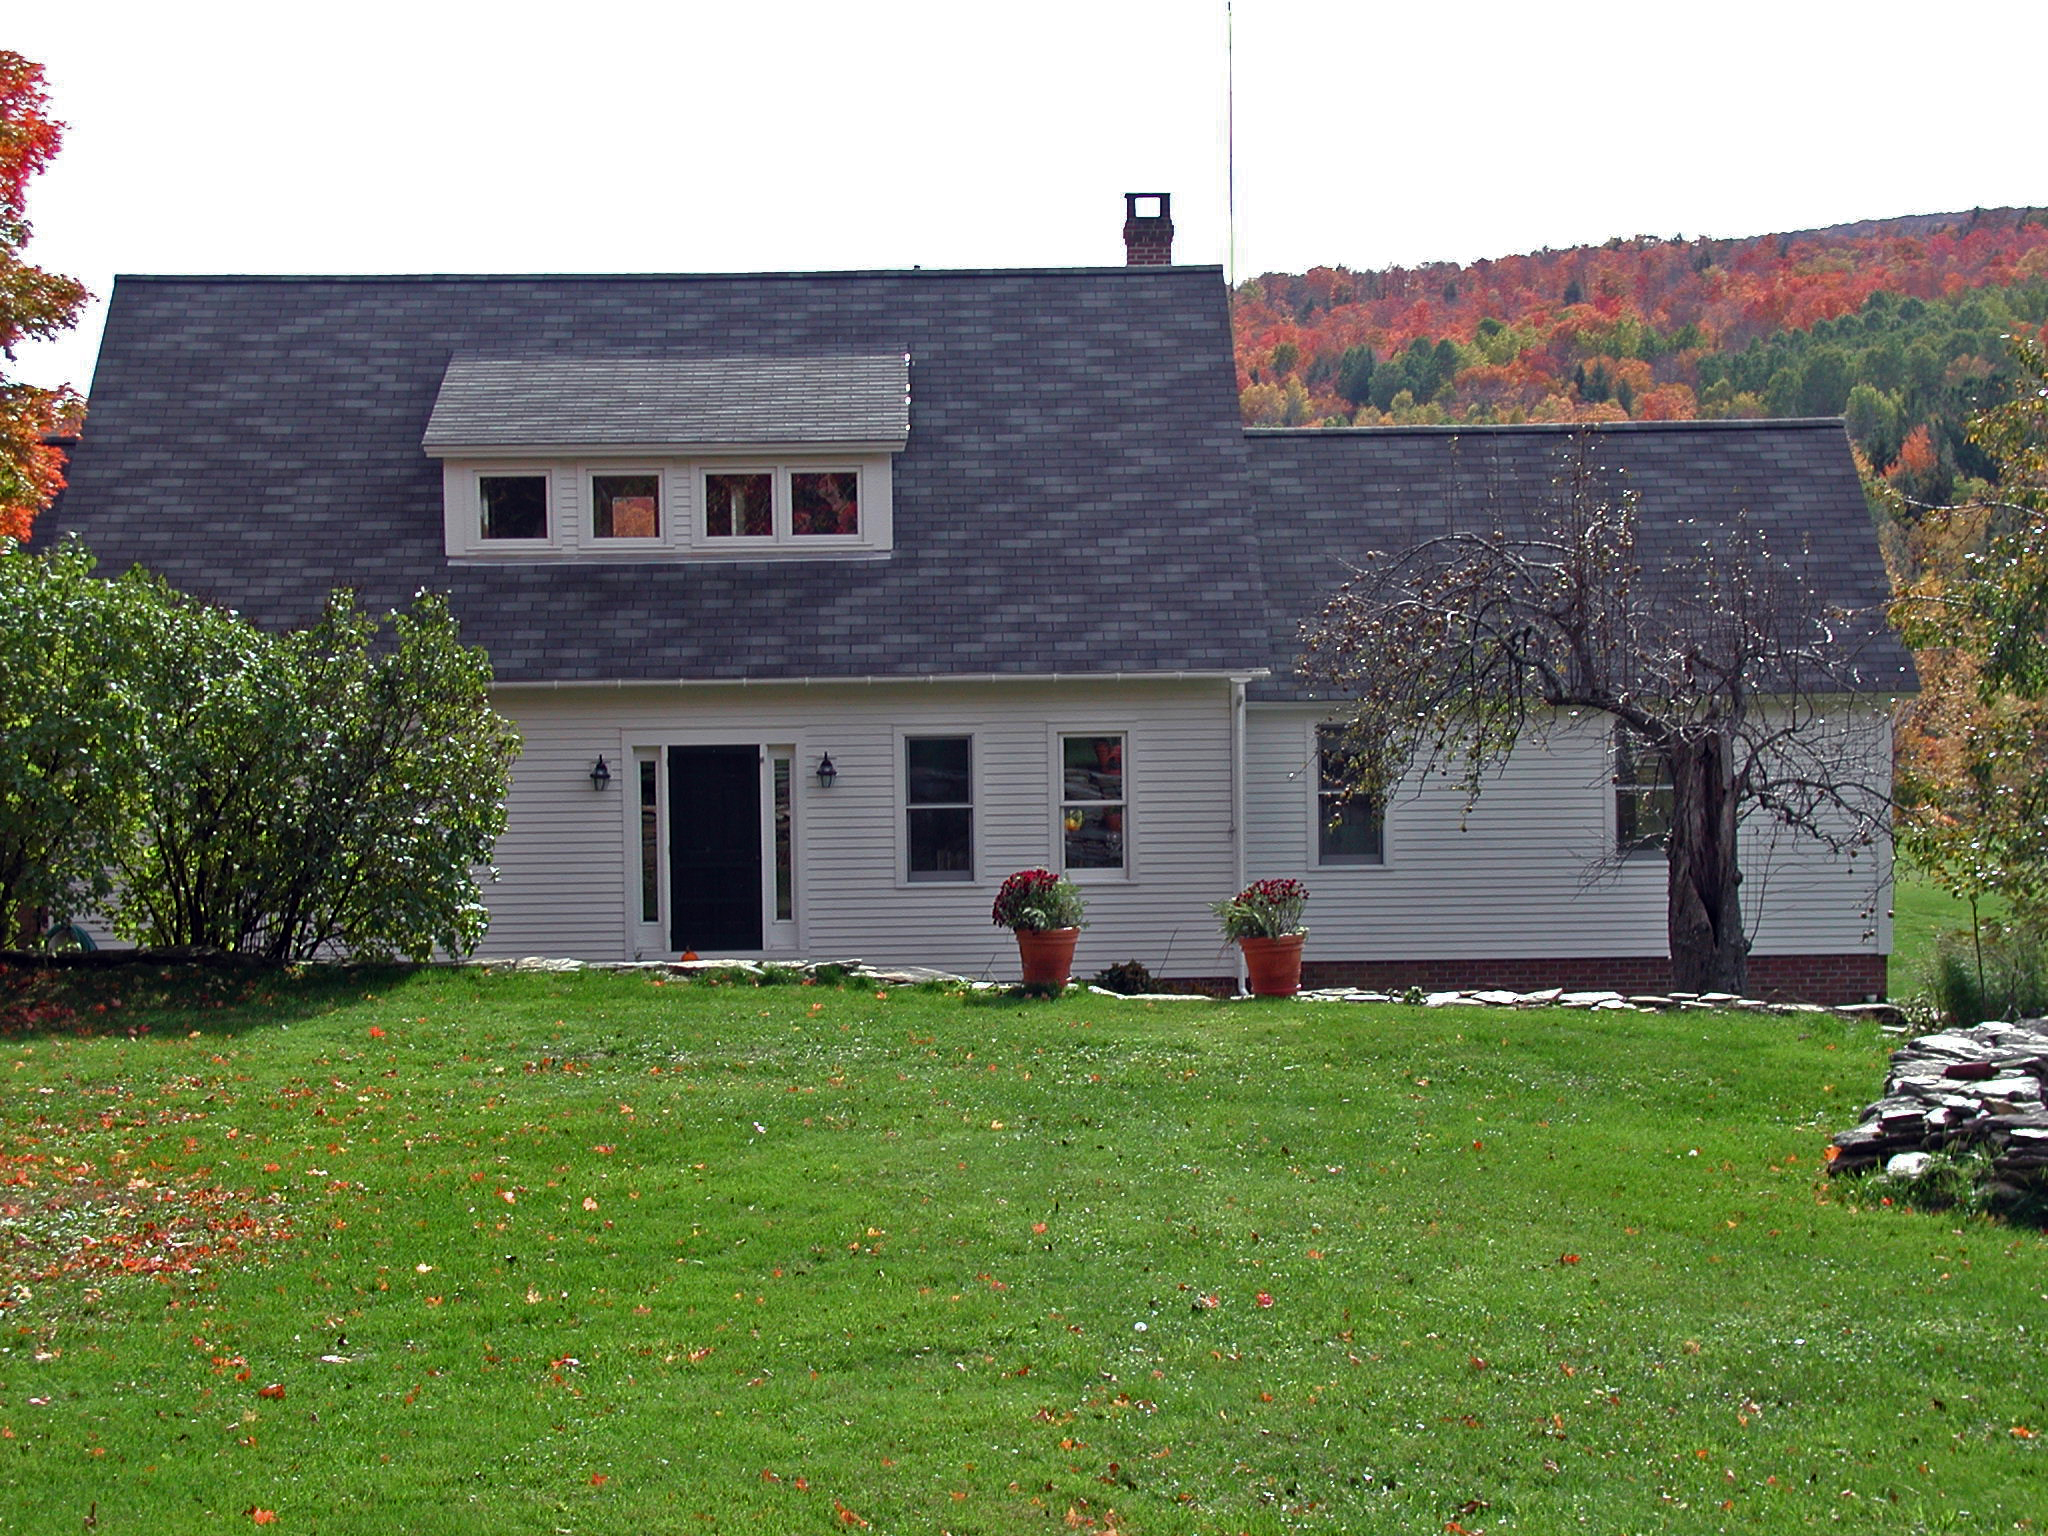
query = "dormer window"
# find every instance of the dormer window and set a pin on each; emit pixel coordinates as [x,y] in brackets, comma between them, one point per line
[824,504]
[739,505]
[669,458]
[513,506]
[789,506]
[626,506]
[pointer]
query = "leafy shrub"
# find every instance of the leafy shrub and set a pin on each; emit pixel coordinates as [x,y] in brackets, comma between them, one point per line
[335,787]
[1998,972]
[1129,977]
[68,730]
[215,786]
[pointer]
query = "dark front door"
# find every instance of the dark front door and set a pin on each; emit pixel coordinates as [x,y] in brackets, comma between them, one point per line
[714,848]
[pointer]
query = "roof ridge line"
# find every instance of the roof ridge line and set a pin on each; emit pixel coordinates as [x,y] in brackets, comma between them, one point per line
[1448,429]
[935,273]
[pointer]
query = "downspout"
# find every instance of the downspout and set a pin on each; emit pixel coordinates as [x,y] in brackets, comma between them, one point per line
[1237,832]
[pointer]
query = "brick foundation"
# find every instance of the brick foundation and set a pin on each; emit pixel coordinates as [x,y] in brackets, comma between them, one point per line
[1775,978]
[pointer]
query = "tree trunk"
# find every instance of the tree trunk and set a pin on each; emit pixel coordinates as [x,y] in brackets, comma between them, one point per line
[1704,915]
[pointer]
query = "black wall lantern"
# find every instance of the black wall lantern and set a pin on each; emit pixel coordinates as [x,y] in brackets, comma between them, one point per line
[600,773]
[827,772]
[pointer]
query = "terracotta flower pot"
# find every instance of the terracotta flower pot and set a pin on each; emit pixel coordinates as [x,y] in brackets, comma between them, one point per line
[1273,966]
[1048,957]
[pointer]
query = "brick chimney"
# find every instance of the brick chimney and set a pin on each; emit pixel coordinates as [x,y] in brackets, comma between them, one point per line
[1148,229]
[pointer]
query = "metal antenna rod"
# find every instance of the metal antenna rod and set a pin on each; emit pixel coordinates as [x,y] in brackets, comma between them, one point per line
[1230,135]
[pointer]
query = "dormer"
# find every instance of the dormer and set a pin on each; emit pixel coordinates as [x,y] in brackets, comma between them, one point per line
[669,458]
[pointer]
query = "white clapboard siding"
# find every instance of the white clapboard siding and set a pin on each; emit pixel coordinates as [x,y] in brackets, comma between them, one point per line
[567,870]
[1522,874]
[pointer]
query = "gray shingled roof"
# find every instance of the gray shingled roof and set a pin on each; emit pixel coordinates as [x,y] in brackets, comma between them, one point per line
[1075,495]
[538,402]
[1071,498]
[1324,499]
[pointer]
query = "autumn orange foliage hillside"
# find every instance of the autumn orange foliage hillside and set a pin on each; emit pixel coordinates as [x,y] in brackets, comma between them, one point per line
[1643,328]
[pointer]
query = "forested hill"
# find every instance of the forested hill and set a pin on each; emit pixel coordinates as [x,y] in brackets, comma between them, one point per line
[1897,324]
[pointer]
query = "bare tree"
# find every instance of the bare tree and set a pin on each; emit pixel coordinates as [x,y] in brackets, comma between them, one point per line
[1722,660]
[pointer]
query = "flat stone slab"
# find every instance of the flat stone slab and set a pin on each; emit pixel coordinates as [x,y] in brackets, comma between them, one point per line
[1986,1086]
[2014,1046]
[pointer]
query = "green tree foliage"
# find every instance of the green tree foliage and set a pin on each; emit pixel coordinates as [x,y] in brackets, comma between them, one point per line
[1933,363]
[1973,750]
[1875,422]
[2009,598]
[68,726]
[1354,375]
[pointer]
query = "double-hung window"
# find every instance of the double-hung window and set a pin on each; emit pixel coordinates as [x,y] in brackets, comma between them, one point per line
[1094,803]
[938,807]
[1350,828]
[1643,794]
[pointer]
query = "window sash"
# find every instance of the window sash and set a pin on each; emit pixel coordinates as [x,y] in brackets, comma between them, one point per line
[512,507]
[1094,801]
[739,504]
[1645,800]
[650,841]
[938,808]
[625,504]
[784,811]
[824,503]
[1349,829]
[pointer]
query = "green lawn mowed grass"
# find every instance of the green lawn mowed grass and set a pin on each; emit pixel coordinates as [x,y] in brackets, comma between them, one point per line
[442,1251]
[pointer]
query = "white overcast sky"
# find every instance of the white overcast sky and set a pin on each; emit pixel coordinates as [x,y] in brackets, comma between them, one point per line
[778,135]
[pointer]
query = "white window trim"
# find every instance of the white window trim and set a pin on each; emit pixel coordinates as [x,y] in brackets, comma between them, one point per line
[571,536]
[901,796]
[1056,750]
[1314,775]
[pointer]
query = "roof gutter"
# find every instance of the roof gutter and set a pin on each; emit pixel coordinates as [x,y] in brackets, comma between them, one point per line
[618,684]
